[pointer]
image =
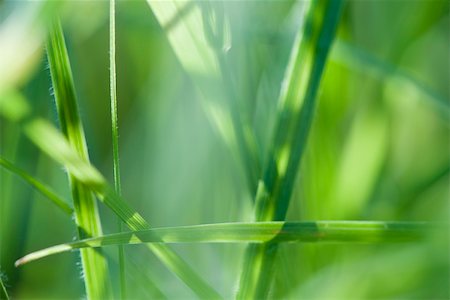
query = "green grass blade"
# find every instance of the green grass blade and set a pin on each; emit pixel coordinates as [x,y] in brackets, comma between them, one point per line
[3,293]
[57,147]
[49,140]
[113,97]
[39,186]
[296,106]
[198,43]
[260,232]
[115,133]
[95,266]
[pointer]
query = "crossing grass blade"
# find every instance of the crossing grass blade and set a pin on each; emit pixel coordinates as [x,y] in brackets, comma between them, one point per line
[260,232]
[49,140]
[39,186]
[296,107]
[57,147]
[94,263]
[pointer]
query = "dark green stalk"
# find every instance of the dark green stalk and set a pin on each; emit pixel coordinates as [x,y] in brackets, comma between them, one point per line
[115,134]
[296,107]
[95,267]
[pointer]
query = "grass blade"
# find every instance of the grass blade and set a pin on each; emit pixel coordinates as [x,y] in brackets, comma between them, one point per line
[260,232]
[115,132]
[87,218]
[57,147]
[3,293]
[296,106]
[198,43]
[39,186]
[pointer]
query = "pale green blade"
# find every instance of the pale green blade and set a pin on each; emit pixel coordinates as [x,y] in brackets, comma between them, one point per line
[295,114]
[197,32]
[94,263]
[115,132]
[260,232]
[39,186]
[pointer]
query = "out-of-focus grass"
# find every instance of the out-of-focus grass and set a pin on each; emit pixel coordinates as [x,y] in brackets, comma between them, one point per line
[378,147]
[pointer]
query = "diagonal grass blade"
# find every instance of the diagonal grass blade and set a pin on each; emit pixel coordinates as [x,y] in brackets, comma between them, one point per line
[39,186]
[296,107]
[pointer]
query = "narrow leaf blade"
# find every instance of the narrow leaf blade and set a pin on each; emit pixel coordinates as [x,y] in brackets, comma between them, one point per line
[259,232]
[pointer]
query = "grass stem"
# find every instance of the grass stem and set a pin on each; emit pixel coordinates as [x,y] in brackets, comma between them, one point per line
[296,107]
[115,134]
[94,263]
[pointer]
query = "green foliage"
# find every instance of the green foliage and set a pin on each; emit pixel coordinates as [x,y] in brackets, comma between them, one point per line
[274,160]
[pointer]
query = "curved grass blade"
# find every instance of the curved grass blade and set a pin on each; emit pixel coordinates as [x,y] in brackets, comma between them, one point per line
[87,217]
[296,106]
[115,133]
[57,147]
[259,232]
[39,186]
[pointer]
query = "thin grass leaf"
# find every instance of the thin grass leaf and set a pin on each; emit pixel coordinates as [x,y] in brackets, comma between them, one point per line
[113,98]
[296,106]
[198,34]
[115,133]
[94,263]
[57,147]
[358,59]
[3,292]
[260,232]
[39,186]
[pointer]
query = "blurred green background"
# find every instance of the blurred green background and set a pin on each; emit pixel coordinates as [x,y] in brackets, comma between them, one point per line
[379,148]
